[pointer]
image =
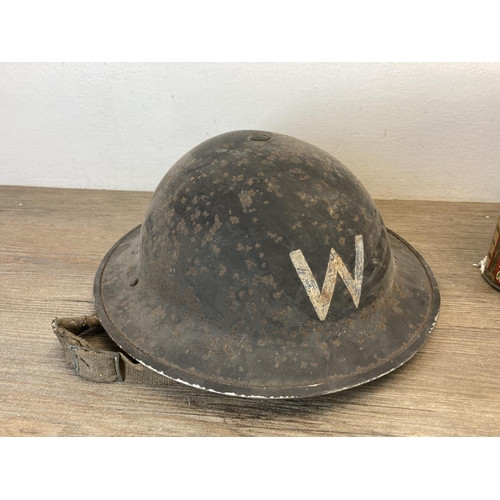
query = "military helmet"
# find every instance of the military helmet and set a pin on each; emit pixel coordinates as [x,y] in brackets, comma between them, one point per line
[263,269]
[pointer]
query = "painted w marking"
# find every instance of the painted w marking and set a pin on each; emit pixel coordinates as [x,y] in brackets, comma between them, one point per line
[321,300]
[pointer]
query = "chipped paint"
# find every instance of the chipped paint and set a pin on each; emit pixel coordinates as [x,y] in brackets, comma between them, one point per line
[246,197]
[482,264]
[234,394]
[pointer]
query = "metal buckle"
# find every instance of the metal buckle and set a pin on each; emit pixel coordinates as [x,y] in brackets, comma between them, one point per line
[114,355]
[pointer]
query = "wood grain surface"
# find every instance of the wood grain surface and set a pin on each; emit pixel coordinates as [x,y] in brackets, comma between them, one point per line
[51,243]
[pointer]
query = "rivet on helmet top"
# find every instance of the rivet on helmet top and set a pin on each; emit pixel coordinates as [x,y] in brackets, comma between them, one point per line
[260,137]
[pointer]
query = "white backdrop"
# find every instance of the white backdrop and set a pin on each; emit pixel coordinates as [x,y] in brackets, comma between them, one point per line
[408,131]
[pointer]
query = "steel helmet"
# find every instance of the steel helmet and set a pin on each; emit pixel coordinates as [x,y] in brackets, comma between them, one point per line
[263,269]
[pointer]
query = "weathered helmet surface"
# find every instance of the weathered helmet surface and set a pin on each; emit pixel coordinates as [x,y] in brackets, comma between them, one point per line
[263,269]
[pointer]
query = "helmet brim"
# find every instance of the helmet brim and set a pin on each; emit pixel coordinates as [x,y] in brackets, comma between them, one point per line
[368,345]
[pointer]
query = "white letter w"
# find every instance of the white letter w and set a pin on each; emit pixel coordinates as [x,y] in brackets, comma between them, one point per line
[321,300]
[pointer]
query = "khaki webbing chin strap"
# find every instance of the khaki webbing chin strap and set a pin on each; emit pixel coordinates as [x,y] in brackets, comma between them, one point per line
[94,356]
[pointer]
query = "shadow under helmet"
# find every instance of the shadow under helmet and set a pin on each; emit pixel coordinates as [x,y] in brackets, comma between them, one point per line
[263,269]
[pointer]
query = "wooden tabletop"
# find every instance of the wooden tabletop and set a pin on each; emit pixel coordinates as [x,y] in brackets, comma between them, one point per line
[51,243]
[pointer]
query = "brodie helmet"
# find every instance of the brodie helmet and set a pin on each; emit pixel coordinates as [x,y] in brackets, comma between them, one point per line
[263,269]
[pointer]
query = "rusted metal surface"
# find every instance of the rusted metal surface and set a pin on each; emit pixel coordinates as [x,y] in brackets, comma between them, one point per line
[219,288]
[491,270]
